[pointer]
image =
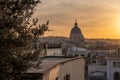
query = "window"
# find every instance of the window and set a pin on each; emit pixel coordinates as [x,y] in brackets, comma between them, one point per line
[98,61]
[82,55]
[70,55]
[56,78]
[76,54]
[81,40]
[64,77]
[93,61]
[116,76]
[67,77]
[116,64]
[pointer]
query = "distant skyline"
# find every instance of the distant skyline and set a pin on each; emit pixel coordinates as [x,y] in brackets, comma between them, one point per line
[96,18]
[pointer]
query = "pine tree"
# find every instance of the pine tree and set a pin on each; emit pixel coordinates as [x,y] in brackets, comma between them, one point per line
[17,27]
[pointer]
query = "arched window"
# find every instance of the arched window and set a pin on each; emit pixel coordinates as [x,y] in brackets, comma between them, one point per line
[81,40]
[116,76]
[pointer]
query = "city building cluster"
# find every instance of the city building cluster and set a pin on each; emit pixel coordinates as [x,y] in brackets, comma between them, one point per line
[75,58]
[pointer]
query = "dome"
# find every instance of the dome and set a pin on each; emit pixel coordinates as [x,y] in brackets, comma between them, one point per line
[76,35]
[75,30]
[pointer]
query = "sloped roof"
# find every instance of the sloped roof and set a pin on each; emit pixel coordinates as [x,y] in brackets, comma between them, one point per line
[50,62]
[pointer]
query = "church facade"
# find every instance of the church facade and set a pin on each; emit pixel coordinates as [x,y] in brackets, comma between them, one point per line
[76,35]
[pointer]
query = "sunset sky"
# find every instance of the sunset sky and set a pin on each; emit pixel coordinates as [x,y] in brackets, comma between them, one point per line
[96,18]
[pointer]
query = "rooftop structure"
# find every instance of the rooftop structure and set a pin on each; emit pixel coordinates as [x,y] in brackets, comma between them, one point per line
[75,51]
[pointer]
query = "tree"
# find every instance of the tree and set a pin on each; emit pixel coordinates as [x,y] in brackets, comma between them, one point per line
[17,27]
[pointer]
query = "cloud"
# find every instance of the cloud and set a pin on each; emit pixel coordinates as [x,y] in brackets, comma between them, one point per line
[89,13]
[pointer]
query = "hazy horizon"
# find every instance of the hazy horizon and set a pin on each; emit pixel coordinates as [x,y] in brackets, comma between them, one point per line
[85,37]
[96,18]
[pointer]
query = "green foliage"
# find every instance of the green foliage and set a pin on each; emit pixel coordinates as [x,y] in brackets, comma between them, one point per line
[17,28]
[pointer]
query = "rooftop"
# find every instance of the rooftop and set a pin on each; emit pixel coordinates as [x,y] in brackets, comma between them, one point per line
[50,62]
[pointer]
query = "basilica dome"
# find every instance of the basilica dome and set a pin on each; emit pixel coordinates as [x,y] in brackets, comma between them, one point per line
[76,35]
[75,30]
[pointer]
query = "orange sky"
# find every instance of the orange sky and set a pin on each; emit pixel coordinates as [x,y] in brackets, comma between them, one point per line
[96,18]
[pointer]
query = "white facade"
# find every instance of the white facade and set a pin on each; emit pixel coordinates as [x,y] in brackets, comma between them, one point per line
[97,68]
[113,67]
[103,52]
[74,51]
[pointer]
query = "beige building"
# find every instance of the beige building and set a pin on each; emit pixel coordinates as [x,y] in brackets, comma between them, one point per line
[59,68]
